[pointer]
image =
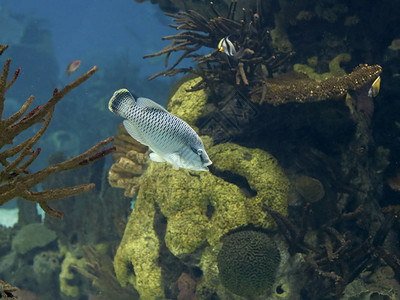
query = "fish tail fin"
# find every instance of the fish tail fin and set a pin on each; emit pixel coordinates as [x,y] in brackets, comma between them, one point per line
[120,102]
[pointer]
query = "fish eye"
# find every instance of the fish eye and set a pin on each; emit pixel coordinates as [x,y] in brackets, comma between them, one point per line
[199,151]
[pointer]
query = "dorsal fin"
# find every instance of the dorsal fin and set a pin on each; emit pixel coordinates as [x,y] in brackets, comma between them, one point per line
[148,103]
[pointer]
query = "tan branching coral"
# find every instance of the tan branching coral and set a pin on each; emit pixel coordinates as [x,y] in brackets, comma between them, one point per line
[15,180]
[129,159]
[296,87]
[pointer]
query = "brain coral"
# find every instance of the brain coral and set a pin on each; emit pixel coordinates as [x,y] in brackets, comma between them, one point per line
[248,262]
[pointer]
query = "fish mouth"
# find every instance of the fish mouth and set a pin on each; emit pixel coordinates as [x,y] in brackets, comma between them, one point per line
[207,163]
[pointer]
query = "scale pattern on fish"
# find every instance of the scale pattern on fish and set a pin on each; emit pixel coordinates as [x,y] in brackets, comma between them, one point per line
[171,139]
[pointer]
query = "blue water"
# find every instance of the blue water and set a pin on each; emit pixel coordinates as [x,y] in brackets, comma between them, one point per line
[97,28]
[44,37]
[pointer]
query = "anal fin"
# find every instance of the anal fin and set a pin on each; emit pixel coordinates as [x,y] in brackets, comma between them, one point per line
[155,157]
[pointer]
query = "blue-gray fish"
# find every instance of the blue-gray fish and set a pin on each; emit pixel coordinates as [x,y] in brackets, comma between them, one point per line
[171,139]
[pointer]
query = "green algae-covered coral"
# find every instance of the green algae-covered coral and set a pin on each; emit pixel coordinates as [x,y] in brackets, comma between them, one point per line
[136,261]
[248,262]
[187,106]
[335,69]
[199,207]
[67,276]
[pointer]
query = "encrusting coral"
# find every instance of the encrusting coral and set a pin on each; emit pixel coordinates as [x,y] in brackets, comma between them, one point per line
[15,180]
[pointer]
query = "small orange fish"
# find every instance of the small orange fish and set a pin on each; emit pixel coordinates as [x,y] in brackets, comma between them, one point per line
[72,67]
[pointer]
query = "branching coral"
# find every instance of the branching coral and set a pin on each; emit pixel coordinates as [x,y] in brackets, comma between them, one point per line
[15,180]
[255,55]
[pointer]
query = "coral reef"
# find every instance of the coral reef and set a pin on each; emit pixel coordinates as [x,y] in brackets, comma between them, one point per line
[342,224]
[335,246]
[14,177]
[199,208]
[247,263]
[342,230]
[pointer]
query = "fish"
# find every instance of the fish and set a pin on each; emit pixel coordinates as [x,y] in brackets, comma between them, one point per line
[226,46]
[72,67]
[375,87]
[169,138]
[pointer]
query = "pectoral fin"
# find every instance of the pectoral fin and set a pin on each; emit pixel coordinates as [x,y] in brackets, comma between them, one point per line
[133,132]
[175,160]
